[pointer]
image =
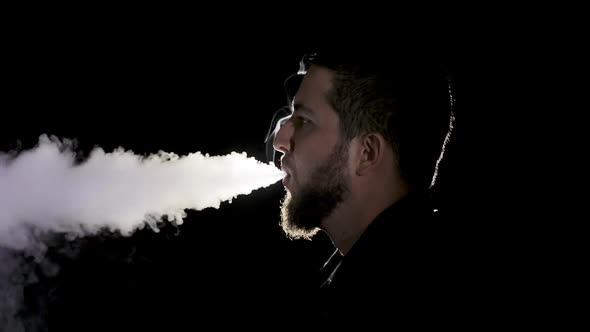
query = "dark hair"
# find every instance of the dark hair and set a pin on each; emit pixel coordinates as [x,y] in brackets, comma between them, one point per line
[404,96]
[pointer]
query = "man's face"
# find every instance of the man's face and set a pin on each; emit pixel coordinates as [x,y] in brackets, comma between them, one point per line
[314,157]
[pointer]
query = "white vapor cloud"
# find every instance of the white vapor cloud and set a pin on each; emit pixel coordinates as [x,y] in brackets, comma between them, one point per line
[44,188]
[47,189]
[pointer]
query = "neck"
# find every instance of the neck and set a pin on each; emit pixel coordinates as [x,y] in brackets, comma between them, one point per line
[352,217]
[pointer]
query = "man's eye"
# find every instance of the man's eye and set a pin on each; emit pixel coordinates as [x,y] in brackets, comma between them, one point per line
[301,120]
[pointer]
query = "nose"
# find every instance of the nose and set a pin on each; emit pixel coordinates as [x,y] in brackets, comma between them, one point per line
[282,140]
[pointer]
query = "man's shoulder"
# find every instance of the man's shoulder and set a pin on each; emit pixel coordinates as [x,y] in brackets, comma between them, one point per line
[405,246]
[409,227]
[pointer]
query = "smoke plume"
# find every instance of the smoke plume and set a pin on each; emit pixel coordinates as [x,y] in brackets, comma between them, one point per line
[46,189]
[49,189]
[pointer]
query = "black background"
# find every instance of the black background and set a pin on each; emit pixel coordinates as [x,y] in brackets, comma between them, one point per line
[181,88]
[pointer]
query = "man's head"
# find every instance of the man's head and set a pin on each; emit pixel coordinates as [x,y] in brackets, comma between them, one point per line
[314,157]
[352,110]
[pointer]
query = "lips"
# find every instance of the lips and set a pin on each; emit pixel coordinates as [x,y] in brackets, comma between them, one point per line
[286,181]
[285,165]
[287,177]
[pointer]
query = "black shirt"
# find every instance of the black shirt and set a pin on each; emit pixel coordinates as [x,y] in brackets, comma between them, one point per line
[404,269]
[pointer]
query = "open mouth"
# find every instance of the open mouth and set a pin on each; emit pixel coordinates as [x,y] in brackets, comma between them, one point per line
[286,179]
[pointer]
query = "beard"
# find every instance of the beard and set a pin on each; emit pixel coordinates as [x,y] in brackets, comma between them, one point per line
[316,199]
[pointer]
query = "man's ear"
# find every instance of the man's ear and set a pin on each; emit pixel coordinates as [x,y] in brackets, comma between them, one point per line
[372,148]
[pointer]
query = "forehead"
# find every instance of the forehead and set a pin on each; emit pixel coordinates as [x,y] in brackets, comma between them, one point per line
[315,87]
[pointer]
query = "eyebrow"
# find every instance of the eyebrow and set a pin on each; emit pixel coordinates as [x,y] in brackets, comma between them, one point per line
[303,109]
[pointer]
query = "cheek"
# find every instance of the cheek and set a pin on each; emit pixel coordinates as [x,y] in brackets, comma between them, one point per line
[310,152]
[355,155]
[304,166]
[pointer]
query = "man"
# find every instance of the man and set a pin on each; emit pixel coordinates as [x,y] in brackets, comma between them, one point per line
[361,146]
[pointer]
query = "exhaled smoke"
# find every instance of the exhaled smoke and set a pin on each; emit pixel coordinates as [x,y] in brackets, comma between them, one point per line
[46,189]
